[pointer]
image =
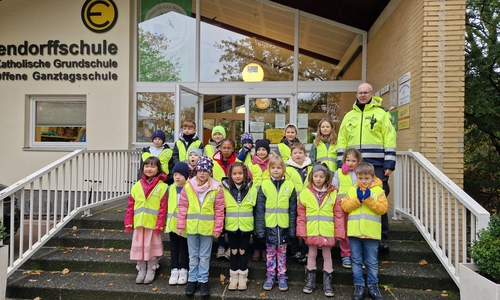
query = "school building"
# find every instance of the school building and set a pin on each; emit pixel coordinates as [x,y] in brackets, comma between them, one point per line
[104,74]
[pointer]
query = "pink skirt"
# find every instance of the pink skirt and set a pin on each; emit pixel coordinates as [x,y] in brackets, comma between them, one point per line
[146,245]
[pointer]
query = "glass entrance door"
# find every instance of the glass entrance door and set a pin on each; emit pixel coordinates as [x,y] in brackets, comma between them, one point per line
[227,111]
[268,116]
[188,106]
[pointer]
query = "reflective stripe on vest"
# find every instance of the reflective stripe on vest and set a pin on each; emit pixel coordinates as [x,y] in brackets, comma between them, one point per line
[277,203]
[172,210]
[146,210]
[183,152]
[240,216]
[200,220]
[320,219]
[363,221]
[345,183]
[328,156]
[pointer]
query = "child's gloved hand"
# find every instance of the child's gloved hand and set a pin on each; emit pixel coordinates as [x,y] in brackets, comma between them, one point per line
[243,153]
[359,193]
[128,228]
[367,194]
[345,169]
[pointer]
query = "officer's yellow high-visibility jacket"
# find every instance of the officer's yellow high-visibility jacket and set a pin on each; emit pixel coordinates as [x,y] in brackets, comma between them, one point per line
[239,215]
[364,220]
[147,204]
[201,215]
[372,132]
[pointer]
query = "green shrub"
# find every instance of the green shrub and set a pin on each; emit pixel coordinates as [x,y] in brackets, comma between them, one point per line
[3,231]
[485,251]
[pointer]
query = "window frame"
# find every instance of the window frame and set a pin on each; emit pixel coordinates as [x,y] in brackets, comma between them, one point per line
[32,143]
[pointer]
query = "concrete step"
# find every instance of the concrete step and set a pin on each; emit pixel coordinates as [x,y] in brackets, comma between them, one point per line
[401,250]
[396,273]
[110,286]
[95,250]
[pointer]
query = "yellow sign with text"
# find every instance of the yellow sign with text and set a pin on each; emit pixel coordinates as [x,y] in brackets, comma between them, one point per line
[404,118]
[274,135]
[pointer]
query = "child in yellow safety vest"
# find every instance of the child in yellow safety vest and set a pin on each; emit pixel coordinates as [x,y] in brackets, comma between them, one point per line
[320,222]
[201,217]
[161,150]
[365,203]
[290,138]
[178,244]
[188,139]
[324,147]
[240,196]
[298,168]
[146,213]
[344,178]
[275,220]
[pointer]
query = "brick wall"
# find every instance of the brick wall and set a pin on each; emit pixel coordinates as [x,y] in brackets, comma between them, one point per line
[425,38]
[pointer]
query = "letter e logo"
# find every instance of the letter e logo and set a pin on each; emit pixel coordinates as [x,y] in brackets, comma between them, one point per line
[99,15]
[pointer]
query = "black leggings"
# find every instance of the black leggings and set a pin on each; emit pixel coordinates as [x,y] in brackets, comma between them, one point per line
[178,251]
[238,241]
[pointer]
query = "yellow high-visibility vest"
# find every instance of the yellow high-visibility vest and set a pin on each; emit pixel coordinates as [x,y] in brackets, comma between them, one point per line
[200,220]
[146,210]
[240,216]
[319,219]
[277,203]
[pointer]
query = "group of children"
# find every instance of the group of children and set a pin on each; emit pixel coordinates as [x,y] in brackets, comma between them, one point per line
[280,199]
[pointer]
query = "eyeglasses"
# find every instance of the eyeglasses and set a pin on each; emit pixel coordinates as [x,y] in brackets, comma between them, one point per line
[364,93]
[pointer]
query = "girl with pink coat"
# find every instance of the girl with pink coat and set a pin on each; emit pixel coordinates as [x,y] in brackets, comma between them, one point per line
[320,222]
[201,217]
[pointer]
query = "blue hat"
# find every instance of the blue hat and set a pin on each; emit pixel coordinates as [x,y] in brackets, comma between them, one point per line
[205,164]
[182,168]
[159,133]
[246,138]
[198,151]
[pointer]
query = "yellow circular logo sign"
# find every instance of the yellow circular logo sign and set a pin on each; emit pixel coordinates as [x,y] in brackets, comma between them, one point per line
[99,15]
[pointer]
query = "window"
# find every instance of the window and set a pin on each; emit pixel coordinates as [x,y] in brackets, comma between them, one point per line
[155,111]
[58,121]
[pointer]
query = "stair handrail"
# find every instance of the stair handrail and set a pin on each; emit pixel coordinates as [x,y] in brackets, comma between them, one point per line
[447,217]
[52,196]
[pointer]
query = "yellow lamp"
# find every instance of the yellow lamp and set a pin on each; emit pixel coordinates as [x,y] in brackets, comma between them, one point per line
[262,103]
[252,73]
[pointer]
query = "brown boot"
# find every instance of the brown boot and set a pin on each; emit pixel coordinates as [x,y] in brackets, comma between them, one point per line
[233,280]
[242,283]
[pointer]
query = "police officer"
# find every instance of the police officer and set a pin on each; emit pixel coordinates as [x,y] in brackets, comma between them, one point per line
[368,127]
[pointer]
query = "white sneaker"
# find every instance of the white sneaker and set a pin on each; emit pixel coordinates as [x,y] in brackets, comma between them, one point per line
[174,277]
[183,276]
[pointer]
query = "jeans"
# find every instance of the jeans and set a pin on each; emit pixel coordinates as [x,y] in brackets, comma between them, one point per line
[199,247]
[364,250]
